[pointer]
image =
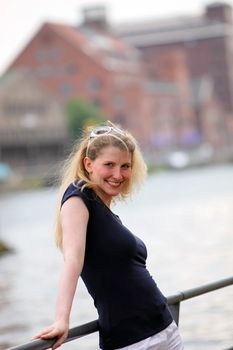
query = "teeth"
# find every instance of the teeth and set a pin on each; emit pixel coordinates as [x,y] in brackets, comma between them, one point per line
[114,183]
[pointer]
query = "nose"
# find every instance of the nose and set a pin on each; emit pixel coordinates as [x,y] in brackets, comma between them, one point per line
[117,175]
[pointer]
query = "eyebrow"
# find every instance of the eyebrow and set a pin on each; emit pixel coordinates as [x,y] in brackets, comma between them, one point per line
[112,161]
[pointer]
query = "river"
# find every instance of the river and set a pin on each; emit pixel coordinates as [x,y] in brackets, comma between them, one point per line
[186,220]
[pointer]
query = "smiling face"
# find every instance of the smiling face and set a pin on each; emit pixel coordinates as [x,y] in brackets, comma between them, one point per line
[110,171]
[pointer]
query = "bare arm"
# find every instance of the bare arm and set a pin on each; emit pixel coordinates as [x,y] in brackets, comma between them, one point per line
[74,218]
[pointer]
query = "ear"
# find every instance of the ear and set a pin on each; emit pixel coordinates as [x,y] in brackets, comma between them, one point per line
[87,162]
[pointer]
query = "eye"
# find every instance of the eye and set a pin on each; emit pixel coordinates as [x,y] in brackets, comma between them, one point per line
[109,164]
[126,166]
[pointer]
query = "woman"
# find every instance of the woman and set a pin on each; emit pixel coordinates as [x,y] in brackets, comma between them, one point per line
[133,314]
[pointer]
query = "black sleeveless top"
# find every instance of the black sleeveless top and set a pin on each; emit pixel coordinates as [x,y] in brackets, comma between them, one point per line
[129,304]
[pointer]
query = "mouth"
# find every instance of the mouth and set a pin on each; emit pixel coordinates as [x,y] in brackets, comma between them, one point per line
[115,184]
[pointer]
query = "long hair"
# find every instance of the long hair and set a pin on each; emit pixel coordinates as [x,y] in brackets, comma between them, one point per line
[74,169]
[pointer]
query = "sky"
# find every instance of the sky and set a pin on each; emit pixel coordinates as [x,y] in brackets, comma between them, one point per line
[20,19]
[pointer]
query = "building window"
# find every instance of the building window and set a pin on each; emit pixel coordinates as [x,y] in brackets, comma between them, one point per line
[118,101]
[15,109]
[72,69]
[94,84]
[48,54]
[54,70]
[44,71]
[97,103]
[66,88]
[47,38]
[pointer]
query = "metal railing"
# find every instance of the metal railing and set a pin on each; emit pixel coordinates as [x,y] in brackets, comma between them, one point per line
[91,327]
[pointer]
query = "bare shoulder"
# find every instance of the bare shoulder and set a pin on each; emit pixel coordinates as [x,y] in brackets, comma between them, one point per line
[74,220]
[74,206]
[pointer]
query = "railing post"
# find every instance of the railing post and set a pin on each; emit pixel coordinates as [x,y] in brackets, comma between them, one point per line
[175,311]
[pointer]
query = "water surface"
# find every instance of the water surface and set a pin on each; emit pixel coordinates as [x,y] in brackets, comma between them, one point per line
[185,219]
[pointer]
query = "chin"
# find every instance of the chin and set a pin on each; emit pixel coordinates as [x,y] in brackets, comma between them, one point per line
[113,192]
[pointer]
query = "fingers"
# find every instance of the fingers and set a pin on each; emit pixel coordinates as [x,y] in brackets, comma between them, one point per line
[42,333]
[54,334]
[58,342]
[50,333]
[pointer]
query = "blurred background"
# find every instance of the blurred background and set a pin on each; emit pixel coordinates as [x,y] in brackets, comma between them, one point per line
[165,73]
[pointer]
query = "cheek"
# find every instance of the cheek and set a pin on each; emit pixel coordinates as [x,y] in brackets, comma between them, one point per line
[100,172]
[128,174]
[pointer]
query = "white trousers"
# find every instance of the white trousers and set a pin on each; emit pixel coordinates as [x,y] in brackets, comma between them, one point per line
[168,339]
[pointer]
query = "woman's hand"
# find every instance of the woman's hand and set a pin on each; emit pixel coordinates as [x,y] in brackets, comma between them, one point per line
[57,330]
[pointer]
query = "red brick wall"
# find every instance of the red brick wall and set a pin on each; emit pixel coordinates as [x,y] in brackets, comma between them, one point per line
[66,71]
[211,57]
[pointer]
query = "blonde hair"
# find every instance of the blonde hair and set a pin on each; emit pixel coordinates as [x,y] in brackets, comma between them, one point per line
[74,169]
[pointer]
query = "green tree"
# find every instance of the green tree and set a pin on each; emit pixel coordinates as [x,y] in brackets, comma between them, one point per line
[81,114]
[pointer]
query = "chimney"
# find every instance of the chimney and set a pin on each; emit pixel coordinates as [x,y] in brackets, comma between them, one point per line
[95,17]
[219,11]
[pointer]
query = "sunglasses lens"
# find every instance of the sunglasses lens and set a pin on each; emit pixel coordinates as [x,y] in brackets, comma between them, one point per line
[102,130]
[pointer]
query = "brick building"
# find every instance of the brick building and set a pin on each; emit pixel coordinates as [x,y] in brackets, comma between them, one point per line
[206,41]
[92,65]
[145,78]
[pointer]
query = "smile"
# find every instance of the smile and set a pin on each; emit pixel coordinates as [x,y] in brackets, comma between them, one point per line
[114,183]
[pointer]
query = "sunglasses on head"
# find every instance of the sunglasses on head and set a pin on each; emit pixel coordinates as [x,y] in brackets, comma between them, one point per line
[104,130]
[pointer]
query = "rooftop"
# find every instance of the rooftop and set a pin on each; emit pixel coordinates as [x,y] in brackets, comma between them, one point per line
[215,22]
[110,52]
[176,30]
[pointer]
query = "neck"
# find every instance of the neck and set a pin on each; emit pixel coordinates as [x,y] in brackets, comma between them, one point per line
[105,199]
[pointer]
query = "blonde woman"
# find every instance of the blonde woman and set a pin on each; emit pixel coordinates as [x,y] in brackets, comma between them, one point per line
[133,314]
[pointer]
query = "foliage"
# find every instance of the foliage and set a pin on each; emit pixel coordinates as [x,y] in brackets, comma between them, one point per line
[81,114]
[4,248]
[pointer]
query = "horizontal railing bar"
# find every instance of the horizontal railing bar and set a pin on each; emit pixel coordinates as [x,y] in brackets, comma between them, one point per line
[92,326]
[74,333]
[194,292]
